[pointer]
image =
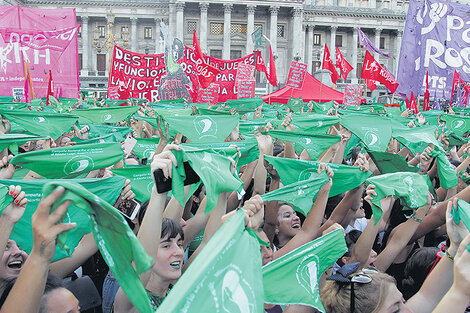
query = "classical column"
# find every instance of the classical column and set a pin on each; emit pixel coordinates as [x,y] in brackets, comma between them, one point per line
[158,46]
[377,42]
[372,4]
[310,47]
[171,21]
[180,21]
[85,45]
[203,6]
[227,22]
[274,10]
[397,49]
[110,29]
[332,46]
[134,35]
[297,43]
[250,28]
[354,56]
[393,5]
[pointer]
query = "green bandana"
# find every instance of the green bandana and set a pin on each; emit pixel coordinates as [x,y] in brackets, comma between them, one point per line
[248,103]
[294,277]
[41,123]
[465,179]
[462,214]
[69,162]
[225,276]
[314,144]
[13,141]
[391,163]
[109,138]
[118,245]
[119,132]
[108,189]
[457,123]
[141,180]
[105,115]
[5,198]
[313,123]
[173,112]
[417,139]
[322,107]
[248,149]
[374,131]
[345,177]
[248,128]
[301,194]
[204,128]
[295,104]
[411,188]
[145,147]
[213,170]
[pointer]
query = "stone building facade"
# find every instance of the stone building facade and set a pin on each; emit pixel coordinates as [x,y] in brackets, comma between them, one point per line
[296,29]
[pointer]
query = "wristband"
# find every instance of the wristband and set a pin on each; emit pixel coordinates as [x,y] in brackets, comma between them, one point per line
[448,255]
[412,216]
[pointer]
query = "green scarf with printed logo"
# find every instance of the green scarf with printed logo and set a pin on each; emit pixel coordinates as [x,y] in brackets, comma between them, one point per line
[117,243]
[294,277]
[224,277]
[417,139]
[213,169]
[314,144]
[313,123]
[119,132]
[41,123]
[105,115]
[204,128]
[69,162]
[345,177]
[322,107]
[248,149]
[457,123]
[141,180]
[107,189]
[374,131]
[411,188]
[301,194]
[145,147]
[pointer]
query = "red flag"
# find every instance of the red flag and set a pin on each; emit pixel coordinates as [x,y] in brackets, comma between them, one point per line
[206,73]
[408,106]
[426,101]
[467,91]
[455,84]
[371,69]
[272,69]
[342,64]
[413,105]
[372,84]
[50,89]
[28,83]
[123,89]
[328,65]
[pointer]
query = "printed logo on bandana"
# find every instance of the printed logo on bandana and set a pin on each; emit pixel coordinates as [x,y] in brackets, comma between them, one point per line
[205,126]
[408,181]
[320,123]
[458,124]
[106,117]
[40,119]
[237,295]
[300,190]
[79,164]
[308,141]
[307,274]
[148,153]
[308,173]
[149,186]
[371,138]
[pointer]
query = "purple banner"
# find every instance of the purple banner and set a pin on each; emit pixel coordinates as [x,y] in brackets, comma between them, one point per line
[366,42]
[436,39]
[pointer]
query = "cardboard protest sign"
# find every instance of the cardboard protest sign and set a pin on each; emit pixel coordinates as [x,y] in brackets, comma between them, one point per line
[352,95]
[246,89]
[296,74]
[209,95]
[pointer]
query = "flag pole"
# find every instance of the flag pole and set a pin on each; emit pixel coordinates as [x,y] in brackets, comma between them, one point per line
[321,83]
[365,90]
[393,97]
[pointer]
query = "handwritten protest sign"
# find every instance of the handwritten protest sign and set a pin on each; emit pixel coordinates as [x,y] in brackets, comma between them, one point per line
[352,95]
[245,72]
[246,89]
[209,95]
[296,74]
